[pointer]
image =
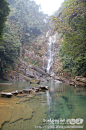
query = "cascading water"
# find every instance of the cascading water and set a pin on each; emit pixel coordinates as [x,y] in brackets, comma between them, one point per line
[49,61]
[50,51]
[50,58]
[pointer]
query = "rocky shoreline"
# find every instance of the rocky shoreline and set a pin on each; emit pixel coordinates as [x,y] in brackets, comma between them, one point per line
[28,91]
[36,75]
[78,81]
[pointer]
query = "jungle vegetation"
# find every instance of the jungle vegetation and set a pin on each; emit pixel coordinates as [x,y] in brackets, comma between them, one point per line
[70,22]
[21,22]
[24,23]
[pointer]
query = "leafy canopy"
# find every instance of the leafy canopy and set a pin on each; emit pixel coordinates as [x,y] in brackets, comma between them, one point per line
[4,12]
[70,22]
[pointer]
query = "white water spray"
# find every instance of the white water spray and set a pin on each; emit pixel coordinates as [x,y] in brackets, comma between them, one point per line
[50,51]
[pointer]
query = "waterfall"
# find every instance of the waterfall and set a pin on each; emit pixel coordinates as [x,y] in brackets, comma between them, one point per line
[47,34]
[50,57]
[50,51]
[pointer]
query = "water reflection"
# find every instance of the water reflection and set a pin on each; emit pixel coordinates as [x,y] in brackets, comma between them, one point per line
[44,110]
[65,103]
[48,98]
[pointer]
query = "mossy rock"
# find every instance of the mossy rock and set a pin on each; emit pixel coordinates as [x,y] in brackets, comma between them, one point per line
[34,81]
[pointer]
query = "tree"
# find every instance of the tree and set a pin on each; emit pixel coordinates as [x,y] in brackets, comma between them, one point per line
[70,22]
[4,12]
[9,51]
[26,22]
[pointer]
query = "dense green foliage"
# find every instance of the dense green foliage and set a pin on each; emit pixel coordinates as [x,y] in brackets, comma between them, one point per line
[8,52]
[70,22]
[24,23]
[4,12]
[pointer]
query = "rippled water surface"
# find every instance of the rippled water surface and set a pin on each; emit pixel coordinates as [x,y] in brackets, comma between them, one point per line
[61,107]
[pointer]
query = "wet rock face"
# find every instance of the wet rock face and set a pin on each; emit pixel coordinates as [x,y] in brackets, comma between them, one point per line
[33,74]
[30,73]
[24,71]
[80,81]
[39,70]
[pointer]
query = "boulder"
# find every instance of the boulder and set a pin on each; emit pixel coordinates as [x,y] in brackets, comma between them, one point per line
[34,81]
[9,95]
[71,83]
[20,91]
[30,73]
[27,90]
[84,74]
[80,81]
[15,93]
[36,89]
[80,78]
[5,94]
[37,75]
[43,87]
